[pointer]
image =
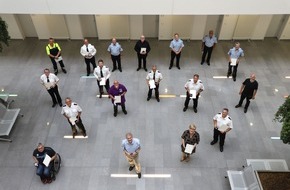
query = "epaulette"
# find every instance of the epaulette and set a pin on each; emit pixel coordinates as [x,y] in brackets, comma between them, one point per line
[150,71]
[64,105]
[229,117]
[158,71]
[75,104]
[220,113]
[200,81]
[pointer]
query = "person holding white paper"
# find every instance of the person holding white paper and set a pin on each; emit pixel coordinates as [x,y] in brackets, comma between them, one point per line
[88,51]
[142,49]
[118,90]
[156,76]
[38,156]
[193,89]
[189,138]
[53,51]
[221,120]
[234,56]
[72,112]
[49,81]
[102,72]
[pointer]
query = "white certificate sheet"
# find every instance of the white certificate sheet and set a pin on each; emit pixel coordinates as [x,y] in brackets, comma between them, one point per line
[233,62]
[189,148]
[117,99]
[73,120]
[192,94]
[143,50]
[46,160]
[223,128]
[58,59]
[152,84]
[103,81]
[48,85]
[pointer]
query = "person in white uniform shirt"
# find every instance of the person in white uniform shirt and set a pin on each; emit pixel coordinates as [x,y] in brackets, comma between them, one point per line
[156,76]
[193,89]
[102,72]
[72,111]
[49,81]
[88,51]
[208,44]
[222,124]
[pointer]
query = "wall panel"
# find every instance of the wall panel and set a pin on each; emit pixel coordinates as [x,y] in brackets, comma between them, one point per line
[275,26]
[136,26]
[89,26]
[150,26]
[27,25]
[14,27]
[285,30]
[261,27]
[228,27]
[245,27]
[74,27]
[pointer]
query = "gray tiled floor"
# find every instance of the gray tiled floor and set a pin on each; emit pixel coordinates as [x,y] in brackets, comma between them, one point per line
[88,163]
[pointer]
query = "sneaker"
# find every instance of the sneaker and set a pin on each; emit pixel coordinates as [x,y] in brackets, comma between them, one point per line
[139,175]
[131,168]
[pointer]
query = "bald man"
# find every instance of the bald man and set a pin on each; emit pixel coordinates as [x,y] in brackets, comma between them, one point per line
[208,43]
[118,91]
[142,48]
[115,50]
[248,90]
[88,51]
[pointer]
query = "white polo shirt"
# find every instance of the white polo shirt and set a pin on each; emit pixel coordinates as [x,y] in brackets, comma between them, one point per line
[88,51]
[52,78]
[223,121]
[105,70]
[71,111]
[194,86]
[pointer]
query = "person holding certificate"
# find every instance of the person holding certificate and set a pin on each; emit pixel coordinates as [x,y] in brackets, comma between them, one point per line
[117,94]
[43,157]
[176,46]
[54,53]
[189,139]
[49,81]
[72,112]
[88,51]
[234,59]
[102,74]
[193,89]
[222,124]
[153,79]
[142,48]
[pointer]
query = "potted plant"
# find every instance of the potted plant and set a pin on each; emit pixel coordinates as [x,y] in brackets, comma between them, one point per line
[4,35]
[283,116]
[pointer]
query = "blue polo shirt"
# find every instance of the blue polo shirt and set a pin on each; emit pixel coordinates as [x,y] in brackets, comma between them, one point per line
[236,53]
[115,50]
[209,41]
[176,44]
[131,148]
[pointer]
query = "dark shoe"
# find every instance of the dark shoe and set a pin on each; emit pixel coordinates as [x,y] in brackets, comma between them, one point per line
[120,70]
[178,67]
[138,69]
[44,181]
[139,175]
[234,79]
[228,75]
[125,112]
[131,168]
[221,148]
[74,134]
[60,104]
[212,142]
[113,70]
[158,100]
[55,72]
[148,99]
[100,95]
[64,71]
[237,106]
[84,134]
[115,114]
[170,67]
[245,110]
[208,63]
[145,69]
[195,110]
[201,63]
[88,74]
[48,181]
[53,105]
[184,109]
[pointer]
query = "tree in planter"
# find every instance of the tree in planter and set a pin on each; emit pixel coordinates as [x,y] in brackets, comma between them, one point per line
[4,35]
[283,116]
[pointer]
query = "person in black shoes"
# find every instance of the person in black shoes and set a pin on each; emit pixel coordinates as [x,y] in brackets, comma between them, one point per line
[131,148]
[39,154]
[193,89]
[208,44]
[235,55]
[54,53]
[155,76]
[222,124]
[248,90]
[102,74]
[72,112]
[176,46]
[142,48]
[115,50]
[88,51]
[117,94]
[49,81]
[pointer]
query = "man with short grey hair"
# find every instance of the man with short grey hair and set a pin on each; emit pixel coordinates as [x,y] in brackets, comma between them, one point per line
[208,43]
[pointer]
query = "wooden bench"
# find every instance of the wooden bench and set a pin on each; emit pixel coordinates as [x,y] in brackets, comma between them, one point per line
[7,119]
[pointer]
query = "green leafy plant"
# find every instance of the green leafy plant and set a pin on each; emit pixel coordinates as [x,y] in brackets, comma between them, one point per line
[283,116]
[4,35]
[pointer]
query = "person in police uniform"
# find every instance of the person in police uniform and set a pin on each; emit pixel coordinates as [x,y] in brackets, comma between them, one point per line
[102,71]
[72,111]
[207,45]
[88,51]
[234,53]
[193,84]
[155,75]
[115,50]
[221,120]
[49,81]
[54,53]
[176,46]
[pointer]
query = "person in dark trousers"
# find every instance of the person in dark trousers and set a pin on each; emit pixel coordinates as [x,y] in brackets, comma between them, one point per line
[156,76]
[102,72]
[88,51]
[115,50]
[207,45]
[142,48]
[118,91]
